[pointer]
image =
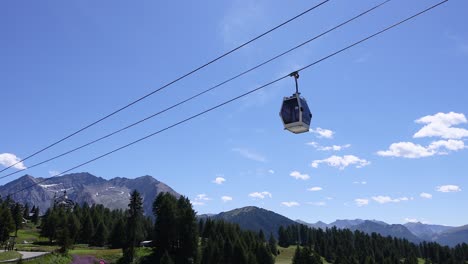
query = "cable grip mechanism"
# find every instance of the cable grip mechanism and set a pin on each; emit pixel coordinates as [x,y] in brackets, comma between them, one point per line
[296,76]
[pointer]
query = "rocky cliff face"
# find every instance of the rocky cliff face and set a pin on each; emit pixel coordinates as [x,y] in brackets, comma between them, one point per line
[85,187]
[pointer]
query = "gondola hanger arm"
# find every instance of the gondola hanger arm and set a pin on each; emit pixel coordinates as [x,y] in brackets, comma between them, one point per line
[296,76]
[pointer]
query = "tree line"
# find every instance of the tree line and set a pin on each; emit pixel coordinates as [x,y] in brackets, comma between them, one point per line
[97,226]
[176,234]
[12,217]
[180,238]
[345,246]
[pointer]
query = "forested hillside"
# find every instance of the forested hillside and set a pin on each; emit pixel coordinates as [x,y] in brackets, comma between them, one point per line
[346,246]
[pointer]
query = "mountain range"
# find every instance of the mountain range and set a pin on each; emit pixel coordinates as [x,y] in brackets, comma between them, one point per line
[254,218]
[114,194]
[85,187]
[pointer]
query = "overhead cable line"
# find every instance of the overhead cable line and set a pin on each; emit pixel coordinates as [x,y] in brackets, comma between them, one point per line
[237,97]
[200,93]
[168,84]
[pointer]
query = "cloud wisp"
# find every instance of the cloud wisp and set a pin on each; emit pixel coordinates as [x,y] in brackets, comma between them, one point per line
[299,176]
[381,199]
[260,195]
[322,132]
[290,204]
[425,195]
[317,203]
[226,198]
[317,146]
[341,162]
[448,188]
[250,154]
[219,180]
[200,199]
[361,202]
[414,151]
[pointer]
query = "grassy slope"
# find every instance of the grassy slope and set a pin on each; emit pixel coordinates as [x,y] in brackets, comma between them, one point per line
[286,255]
[9,255]
[51,258]
[109,255]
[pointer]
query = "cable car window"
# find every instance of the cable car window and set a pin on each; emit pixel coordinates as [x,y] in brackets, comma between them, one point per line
[306,115]
[290,111]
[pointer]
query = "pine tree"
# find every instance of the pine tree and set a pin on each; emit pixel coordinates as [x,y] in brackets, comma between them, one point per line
[50,224]
[74,227]
[175,228]
[7,224]
[26,211]
[35,217]
[166,259]
[100,236]
[272,245]
[165,212]
[63,238]
[18,217]
[135,215]
[87,229]
[187,233]
[118,236]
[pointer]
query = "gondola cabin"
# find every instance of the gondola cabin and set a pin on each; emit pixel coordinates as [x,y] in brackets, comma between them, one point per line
[295,114]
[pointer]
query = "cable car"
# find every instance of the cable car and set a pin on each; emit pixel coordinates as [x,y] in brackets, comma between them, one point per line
[295,112]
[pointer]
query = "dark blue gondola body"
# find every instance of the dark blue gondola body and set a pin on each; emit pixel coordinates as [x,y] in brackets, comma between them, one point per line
[295,114]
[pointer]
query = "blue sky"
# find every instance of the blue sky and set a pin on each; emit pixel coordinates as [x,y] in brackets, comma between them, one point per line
[389,125]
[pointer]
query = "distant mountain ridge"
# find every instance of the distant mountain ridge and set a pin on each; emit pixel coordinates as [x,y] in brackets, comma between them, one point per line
[426,231]
[85,187]
[414,232]
[254,218]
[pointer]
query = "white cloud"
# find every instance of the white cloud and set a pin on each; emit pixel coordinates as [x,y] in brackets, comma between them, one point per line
[322,133]
[415,151]
[328,148]
[299,176]
[200,199]
[317,203]
[219,180]
[226,198]
[271,171]
[361,202]
[290,204]
[360,182]
[426,195]
[440,125]
[448,188]
[8,159]
[260,195]
[450,144]
[315,189]
[406,150]
[341,162]
[387,199]
[249,154]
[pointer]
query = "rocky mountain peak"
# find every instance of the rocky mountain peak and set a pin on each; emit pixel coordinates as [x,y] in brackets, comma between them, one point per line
[86,187]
